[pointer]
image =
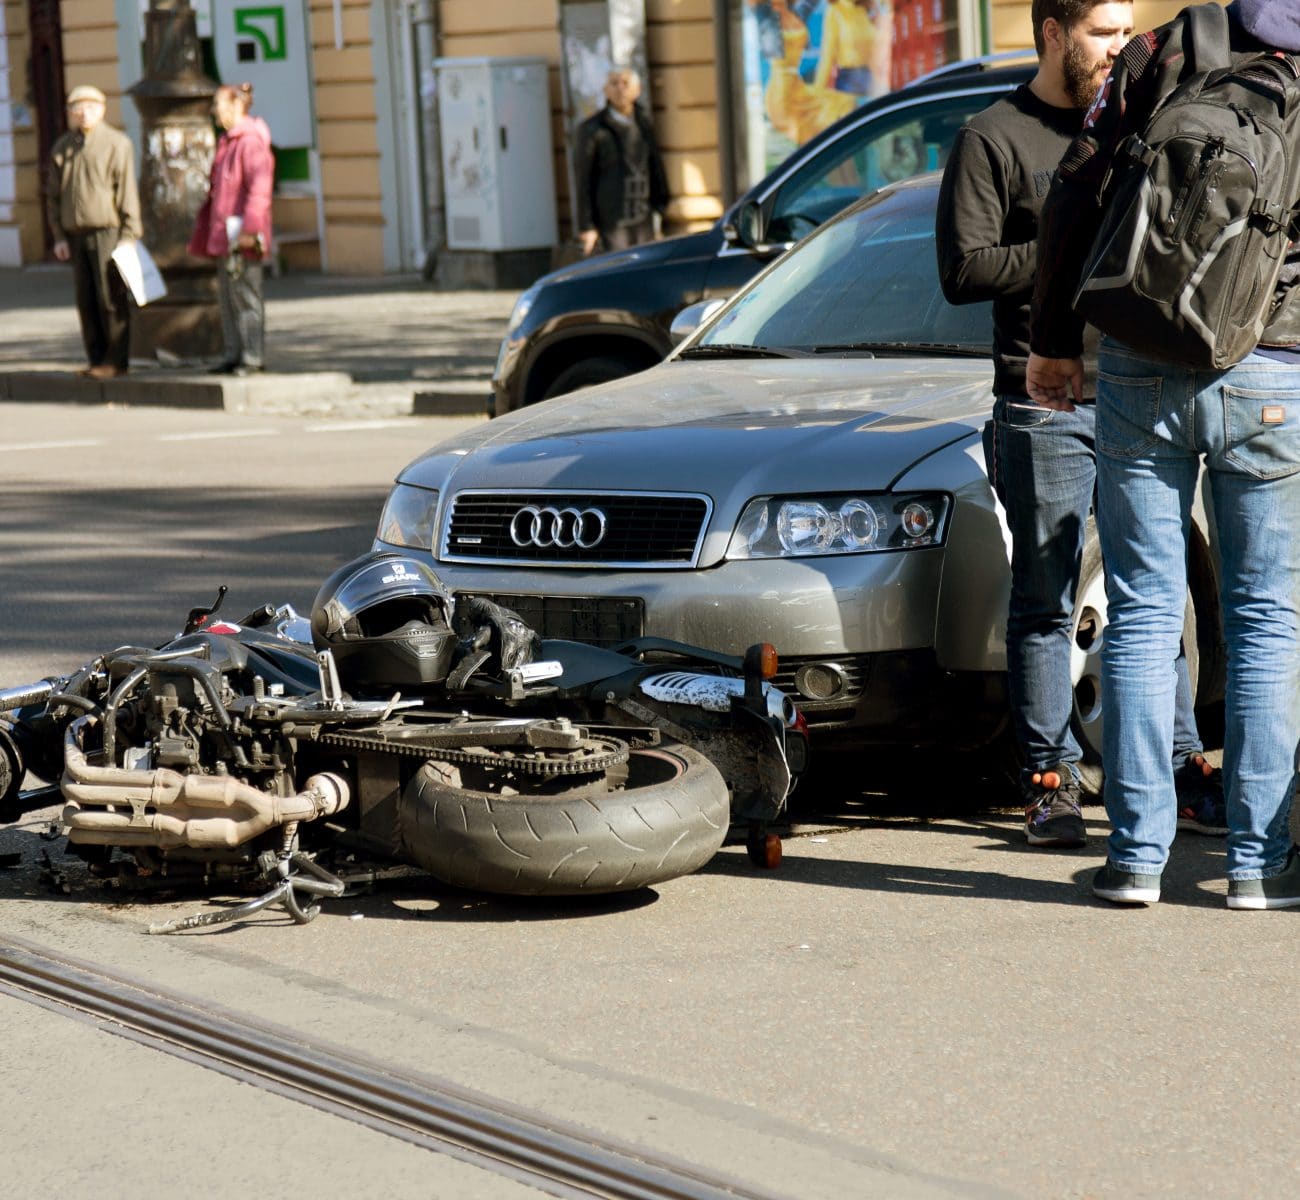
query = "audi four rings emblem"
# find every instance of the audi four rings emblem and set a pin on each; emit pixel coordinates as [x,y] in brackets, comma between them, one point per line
[563,528]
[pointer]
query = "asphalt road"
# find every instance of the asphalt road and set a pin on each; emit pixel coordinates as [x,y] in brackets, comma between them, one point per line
[915,1005]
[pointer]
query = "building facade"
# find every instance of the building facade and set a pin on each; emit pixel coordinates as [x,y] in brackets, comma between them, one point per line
[357,94]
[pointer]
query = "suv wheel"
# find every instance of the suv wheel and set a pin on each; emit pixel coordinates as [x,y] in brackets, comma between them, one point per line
[587,372]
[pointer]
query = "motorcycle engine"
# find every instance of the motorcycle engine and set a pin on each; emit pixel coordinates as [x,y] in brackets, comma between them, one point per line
[173,725]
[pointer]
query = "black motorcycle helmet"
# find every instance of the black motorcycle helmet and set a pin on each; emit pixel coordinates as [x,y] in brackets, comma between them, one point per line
[387,619]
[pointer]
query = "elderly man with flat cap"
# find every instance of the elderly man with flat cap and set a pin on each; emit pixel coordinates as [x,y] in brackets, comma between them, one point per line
[92,205]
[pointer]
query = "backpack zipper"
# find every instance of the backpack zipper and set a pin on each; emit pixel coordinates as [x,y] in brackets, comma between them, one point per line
[1191,205]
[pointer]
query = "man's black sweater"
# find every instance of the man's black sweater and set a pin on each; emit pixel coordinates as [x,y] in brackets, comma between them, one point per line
[998,175]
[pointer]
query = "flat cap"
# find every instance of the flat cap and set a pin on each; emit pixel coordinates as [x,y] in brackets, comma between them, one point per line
[85,92]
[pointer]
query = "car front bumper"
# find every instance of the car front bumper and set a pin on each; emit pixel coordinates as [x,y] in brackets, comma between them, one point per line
[858,635]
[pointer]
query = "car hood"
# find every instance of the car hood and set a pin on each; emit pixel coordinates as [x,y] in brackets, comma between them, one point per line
[740,426]
[644,255]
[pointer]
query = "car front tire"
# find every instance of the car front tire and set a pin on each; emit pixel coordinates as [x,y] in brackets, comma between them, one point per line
[588,372]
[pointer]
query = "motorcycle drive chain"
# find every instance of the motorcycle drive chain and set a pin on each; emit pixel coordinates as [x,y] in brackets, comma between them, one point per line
[596,754]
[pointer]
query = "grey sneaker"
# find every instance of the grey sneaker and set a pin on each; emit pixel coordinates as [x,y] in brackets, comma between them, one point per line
[1053,816]
[1201,806]
[1279,891]
[1125,887]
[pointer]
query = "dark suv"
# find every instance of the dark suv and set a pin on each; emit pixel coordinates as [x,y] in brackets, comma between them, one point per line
[609,316]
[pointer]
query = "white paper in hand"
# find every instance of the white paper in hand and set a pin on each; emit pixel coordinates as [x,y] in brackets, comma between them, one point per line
[139,272]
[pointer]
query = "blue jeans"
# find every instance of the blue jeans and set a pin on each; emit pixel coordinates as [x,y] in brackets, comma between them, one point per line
[1155,424]
[1043,466]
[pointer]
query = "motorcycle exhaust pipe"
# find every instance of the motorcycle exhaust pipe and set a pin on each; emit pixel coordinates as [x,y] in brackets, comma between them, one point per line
[29,693]
[119,806]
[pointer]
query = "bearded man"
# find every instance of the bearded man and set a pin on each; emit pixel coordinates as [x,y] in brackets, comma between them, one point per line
[1042,463]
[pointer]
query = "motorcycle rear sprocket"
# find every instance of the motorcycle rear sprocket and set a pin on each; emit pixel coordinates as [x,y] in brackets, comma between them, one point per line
[596,754]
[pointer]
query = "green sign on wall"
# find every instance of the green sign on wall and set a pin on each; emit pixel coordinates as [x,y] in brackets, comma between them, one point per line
[266,45]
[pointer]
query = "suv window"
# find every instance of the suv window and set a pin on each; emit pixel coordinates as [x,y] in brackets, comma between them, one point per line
[897,145]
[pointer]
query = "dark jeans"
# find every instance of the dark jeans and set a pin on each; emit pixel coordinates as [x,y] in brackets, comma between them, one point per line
[103,303]
[1044,470]
[243,319]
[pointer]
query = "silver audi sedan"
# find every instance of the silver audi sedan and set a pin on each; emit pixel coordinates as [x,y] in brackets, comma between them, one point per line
[805,469]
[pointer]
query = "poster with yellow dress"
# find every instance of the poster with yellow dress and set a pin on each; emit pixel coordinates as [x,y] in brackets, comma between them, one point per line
[809,62]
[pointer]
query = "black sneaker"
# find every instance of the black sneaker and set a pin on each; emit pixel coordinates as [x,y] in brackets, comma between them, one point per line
[1053,816]
[1125,887]
[1201,806]
[1280,891]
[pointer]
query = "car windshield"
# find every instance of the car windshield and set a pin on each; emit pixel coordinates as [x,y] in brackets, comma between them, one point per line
[867,282]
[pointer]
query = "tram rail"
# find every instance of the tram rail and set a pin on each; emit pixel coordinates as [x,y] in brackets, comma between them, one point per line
[527,1145]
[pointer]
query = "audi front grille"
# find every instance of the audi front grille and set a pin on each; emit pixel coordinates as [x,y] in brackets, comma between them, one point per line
[576,529]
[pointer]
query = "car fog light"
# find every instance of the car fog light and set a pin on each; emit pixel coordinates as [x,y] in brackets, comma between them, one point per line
[820,681]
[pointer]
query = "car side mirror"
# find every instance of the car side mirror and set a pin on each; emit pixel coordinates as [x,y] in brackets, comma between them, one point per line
[746,227]
[691,318]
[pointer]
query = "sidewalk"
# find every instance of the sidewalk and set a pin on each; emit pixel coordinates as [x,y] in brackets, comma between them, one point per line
[334,344]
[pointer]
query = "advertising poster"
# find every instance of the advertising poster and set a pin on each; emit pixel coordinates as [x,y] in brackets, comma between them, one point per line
[809,62]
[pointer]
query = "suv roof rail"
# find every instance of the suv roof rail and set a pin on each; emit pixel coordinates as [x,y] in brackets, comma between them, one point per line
[1004,58]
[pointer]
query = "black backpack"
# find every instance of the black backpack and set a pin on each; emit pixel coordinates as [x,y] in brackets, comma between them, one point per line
[1200,210]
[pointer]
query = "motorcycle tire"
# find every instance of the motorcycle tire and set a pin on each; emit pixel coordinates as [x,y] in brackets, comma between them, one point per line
[667,819]
[11,777]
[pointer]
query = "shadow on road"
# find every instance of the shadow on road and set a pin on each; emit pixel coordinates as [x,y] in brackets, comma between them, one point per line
[1195,861]
[61,546]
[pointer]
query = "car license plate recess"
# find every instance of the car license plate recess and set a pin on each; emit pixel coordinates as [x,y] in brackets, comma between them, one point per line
[598,620]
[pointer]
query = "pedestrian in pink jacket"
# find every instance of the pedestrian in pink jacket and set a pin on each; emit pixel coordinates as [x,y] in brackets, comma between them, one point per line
[234,225]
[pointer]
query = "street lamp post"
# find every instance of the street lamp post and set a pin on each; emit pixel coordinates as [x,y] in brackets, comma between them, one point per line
[175,103]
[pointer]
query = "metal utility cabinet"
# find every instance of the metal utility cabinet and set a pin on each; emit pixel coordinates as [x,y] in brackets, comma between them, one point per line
[498,172]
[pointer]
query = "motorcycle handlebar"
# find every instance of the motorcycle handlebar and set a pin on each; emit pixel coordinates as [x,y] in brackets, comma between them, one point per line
[27,693]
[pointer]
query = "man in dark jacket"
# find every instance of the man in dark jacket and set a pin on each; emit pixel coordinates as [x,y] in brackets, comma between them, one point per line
[1041,463]
[620,176]
[1159,424]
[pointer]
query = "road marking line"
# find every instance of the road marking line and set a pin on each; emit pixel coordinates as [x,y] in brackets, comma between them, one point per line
[49,445]
[354,426]
[210,434]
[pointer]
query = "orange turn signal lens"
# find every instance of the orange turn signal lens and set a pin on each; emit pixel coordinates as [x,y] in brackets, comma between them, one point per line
[767,660]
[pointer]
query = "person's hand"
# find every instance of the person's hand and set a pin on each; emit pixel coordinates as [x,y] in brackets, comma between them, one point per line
[247,241]
[1054,382]
[61,251]
[587,239]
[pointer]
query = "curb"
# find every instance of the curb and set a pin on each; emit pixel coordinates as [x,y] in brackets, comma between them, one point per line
[454,398]
[308,392]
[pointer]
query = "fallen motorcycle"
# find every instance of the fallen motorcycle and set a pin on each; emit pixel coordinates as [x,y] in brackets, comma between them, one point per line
[403,725]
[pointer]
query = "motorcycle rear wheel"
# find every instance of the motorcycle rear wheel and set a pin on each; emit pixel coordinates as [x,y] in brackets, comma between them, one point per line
[661,816]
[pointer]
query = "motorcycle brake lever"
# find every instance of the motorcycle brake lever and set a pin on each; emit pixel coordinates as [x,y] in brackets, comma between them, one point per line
[198,616]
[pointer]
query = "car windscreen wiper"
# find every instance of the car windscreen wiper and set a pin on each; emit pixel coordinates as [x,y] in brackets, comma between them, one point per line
[737,350]
[871,349]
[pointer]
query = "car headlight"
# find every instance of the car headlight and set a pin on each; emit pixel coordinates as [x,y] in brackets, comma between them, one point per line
[799,526]
[408,517]
[520,310]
